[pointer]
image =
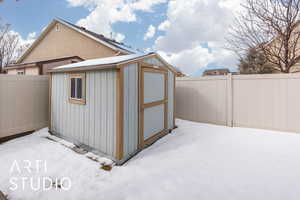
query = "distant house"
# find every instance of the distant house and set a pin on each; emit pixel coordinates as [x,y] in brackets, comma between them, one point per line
[62,43]
[216,72]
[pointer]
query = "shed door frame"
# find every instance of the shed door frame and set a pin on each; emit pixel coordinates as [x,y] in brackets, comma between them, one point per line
[142,106]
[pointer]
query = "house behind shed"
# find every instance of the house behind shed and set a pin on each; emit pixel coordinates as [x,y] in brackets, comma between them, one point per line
[113,106]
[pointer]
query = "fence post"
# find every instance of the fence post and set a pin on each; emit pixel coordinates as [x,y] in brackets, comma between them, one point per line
[229,96]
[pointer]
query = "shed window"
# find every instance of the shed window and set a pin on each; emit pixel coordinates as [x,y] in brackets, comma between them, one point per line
[77,88]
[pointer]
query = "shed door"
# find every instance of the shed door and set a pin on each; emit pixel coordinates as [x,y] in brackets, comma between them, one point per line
[153,104]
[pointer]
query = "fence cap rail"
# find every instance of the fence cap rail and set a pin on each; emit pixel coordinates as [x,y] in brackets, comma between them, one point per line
[267,76]
[241,77]
[22,77]
[201,78]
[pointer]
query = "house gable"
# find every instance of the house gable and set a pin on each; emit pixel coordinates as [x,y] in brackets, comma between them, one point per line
[59,40]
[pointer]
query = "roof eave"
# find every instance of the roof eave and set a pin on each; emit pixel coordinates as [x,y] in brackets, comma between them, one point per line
[94,38]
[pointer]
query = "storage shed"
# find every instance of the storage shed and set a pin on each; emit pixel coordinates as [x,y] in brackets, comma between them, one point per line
[113,106]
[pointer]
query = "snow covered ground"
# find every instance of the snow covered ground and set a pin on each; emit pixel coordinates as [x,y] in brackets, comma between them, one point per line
[196,161]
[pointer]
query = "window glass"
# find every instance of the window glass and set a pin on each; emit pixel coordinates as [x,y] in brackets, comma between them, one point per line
[73,87]
[79,88]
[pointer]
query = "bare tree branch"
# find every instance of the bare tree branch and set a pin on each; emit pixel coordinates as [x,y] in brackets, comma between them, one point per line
[10,47]
[273,28]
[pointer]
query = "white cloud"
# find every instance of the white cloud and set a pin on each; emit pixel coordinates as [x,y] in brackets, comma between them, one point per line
[189,23]
[191,60]
[146,5]
[205,21]
[164,26]
[192,23]
[104,13]
[119,37]
[31,36]
[24,41]
[150,32]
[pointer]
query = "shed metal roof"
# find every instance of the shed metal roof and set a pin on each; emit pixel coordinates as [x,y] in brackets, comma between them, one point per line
[100,62]
[109,62]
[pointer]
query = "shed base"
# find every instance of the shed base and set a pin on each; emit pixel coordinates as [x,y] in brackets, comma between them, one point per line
[100,153]
[83,146]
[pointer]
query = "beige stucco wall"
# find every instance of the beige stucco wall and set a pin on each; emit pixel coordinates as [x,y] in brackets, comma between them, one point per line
[32,71]
[28,71]
[12,71]
[276,46]
[67,42]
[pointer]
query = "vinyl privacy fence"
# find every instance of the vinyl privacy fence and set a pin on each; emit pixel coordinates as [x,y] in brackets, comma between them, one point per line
[23,104]
[255,101]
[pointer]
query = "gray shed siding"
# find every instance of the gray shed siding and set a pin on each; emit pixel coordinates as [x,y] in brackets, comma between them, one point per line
[170,99]
[131,101]
[153,61]
[93,124]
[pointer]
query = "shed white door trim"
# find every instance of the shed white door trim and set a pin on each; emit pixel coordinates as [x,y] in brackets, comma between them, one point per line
[153,104]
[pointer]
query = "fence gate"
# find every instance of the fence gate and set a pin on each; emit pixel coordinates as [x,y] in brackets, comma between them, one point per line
[153,104]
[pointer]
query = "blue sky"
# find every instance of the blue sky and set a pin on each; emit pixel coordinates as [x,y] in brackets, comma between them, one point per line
[28,16]
[41,12]
[192,50]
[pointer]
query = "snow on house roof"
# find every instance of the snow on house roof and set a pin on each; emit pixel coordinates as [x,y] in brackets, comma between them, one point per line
[102,61]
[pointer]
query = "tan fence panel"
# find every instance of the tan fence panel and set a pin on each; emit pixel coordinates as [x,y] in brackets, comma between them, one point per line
[267,101]
[255,101]
[23,104]
[202,99]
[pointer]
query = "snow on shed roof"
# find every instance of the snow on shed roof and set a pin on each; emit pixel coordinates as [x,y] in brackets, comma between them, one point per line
[102,61]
